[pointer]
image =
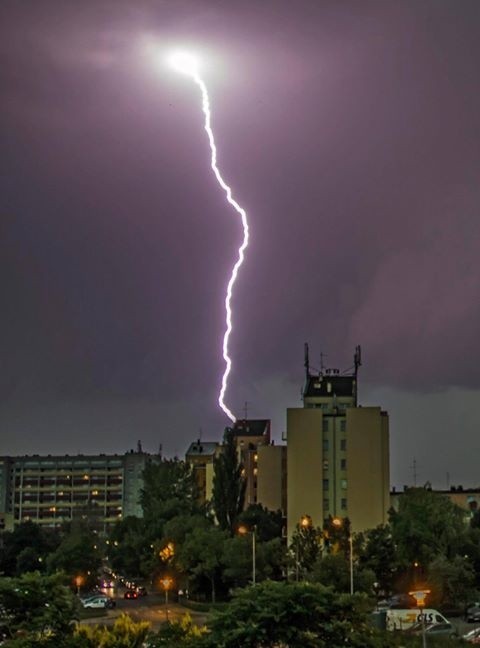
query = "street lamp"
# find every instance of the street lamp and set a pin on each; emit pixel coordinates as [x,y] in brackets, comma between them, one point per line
[305,523]
[339,522]
[166,583]
[420,596]
[243,530]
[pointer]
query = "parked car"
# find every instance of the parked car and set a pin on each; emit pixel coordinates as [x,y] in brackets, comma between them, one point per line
[131,594]
[472,637]
[99,602]
[142,591]
[473,613]
[437,629]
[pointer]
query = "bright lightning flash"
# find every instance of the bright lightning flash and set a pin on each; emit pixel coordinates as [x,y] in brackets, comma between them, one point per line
[187,64]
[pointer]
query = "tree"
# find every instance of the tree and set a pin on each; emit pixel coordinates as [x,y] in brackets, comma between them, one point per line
[376,551]
[200,555]
[125,633]
[268,524]
[78,553]
[305,546]
[452,581]
[425,526]
[37,606]
[297,615]
[168,490]
[129,546]
[270,560]
[177,634]
[26,536]
[228,493]
[333,570]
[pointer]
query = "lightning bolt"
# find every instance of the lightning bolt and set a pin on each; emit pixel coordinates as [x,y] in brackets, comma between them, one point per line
[187,64]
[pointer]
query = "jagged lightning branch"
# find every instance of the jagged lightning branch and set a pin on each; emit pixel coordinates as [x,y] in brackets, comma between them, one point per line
[186,64]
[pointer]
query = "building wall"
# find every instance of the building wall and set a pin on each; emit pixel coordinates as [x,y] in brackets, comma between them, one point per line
[368,479]
[304,466]
[49,490]
[271,477]
[337,464]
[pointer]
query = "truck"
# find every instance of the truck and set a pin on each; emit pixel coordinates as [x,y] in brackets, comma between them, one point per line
[403,619]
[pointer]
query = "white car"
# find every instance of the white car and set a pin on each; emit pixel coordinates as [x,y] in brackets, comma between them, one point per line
[99,602]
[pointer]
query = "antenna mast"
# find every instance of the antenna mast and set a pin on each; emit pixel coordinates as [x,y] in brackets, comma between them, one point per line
[357,361]
[307,362]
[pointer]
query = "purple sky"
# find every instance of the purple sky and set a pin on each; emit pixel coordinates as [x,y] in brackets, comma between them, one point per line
[349,131]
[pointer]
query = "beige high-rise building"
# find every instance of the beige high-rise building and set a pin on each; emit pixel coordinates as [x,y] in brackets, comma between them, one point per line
[337,454]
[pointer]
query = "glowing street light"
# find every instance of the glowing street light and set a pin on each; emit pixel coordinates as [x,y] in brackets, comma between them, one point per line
[339,523]
[166,583]
[420,597]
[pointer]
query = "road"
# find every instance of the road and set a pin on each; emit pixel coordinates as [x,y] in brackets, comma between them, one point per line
[149,608]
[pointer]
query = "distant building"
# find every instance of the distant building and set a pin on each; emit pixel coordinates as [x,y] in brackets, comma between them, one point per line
[337,454]
[467,499]
[52,489]
[264,464]
[200,456]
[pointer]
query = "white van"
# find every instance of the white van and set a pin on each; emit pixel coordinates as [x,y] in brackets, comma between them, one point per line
[403,619]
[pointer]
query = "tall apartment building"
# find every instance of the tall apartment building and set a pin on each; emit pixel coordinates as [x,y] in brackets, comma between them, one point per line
[337,453]
[52,489]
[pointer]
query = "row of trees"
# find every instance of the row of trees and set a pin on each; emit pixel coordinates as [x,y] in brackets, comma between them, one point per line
[39,612]
[427,540]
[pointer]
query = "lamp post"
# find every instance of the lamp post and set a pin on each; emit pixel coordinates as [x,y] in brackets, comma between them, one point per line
[166,583]
[305,523]
[339,522]
[420,596]
[242,530]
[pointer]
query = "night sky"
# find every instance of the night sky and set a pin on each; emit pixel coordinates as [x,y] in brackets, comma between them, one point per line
[349,130]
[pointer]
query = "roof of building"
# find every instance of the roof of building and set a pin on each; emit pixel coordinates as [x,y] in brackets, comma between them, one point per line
[202,448]
[251,427]
[329,385]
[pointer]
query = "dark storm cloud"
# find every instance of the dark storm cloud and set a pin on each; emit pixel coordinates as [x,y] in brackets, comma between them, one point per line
[349,131]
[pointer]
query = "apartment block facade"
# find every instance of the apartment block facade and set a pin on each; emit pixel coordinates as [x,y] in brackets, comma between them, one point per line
[50,490]
[337,455]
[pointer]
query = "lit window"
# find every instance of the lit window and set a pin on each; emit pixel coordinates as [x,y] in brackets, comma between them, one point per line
[343,484]
[325,464]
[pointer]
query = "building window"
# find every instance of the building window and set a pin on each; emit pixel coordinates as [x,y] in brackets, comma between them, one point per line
[343,484]
[343,464]
[344,503]
[325,425]
[325,464]
[325,484]
[343,444]
[343,425]
[326,504]
[325,445]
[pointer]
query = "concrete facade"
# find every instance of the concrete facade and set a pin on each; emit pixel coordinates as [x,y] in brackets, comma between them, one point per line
[52,489]
[337,455]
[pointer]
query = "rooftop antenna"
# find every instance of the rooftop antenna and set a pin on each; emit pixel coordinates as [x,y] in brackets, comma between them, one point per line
[357,358]
[245,410]
[322,366]
[139,447]
[307,362]
[414,470]
[357,362]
